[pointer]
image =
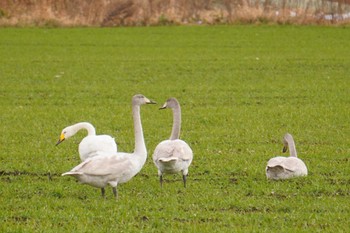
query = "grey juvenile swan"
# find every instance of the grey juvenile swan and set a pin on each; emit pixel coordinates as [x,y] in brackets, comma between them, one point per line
[92,145]
[119,167]
[279,168]
[173,155]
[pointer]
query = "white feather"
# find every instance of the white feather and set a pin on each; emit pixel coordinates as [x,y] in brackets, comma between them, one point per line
[115,168]
[91,145]
[173,155]
[286,167]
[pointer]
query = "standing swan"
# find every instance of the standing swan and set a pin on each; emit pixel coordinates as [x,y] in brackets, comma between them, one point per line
[92,145]
[173,155]
[280,168]
[100,171]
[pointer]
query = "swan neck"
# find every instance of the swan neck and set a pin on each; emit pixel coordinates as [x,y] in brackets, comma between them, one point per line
[175,132]
[85,125]
[292,149]
[140,147]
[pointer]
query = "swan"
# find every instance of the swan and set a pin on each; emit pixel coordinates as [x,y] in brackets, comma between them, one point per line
[92,145]
[286,167]
[173,155]
[99,171]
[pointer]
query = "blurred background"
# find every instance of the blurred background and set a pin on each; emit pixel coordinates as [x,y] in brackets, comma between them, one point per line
[167,12]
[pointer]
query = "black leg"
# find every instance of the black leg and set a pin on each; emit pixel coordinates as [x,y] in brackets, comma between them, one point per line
[103,192]
[184,179]
[115,192]
[161,180]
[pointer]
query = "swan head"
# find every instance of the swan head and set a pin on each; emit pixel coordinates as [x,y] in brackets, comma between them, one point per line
[66,133]
[141,99]
[286,139]
[170,103]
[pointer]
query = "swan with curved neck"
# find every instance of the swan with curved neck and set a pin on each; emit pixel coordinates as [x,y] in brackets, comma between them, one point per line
[92,145]
[173,155]
[100,171]
[279,168]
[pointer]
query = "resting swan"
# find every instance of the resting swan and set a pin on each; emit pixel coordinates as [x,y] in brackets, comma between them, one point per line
[100,171]
[286,167]
[92,145]
[173,155]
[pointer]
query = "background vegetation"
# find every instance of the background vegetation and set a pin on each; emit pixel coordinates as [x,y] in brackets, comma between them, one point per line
[55,13]
[241,89]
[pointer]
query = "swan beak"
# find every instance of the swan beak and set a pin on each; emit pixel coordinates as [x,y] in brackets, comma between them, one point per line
[284,149]
[61,139]
[148,101]
[163,107]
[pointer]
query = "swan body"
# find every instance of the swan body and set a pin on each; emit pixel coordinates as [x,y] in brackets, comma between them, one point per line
[92,145]
[173,155]
[100,171]
[279,168]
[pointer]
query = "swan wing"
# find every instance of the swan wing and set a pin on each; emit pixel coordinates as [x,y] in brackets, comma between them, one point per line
[91,146]
[288,163]
[182,150]
[172,150]
[285,168]
[103,166]
[294,164]
[276,161]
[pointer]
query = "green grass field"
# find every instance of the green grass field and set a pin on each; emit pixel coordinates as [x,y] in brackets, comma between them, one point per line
[241,89]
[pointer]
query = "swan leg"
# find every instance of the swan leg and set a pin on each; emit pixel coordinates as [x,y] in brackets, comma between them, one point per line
[161,180]
[184,179]
[103,192]
[115,192]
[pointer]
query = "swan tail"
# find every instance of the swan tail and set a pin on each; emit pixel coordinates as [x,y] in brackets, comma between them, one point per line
[276,169]
[72,173]
[168,160]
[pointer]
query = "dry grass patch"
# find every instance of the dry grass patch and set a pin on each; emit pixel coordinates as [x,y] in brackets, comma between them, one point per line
[163,12]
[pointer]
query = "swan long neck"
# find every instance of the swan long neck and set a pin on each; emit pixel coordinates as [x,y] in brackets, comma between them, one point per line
[140,147]
[292,149]
[85,125]
[175,132]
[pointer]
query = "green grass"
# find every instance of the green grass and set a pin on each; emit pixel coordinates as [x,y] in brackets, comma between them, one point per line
[241,89]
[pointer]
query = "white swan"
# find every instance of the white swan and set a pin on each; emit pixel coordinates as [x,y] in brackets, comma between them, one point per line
[92,145]
[286,167]
[173,155]
[100,171]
